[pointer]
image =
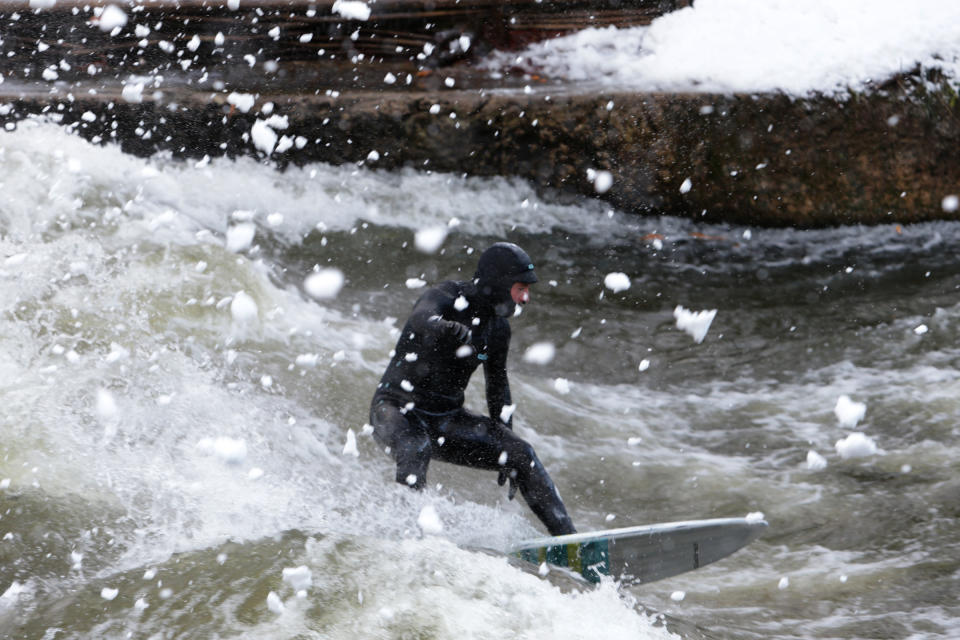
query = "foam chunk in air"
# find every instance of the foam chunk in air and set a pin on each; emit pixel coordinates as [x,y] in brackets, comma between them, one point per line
[540,353]
[429,521]
[695,323]
[856,445]
[849,413]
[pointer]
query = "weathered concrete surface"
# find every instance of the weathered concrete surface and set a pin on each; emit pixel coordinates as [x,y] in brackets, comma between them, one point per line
[763,160]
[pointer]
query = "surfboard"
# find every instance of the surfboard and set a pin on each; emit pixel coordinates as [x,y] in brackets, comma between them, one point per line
[635,555]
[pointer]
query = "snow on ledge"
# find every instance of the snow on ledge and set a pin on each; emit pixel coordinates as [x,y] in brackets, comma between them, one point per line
[798,47]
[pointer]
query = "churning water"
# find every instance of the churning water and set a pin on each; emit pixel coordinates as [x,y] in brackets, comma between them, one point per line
[182,442]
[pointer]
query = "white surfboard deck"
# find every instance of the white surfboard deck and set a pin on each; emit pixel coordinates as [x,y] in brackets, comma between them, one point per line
[645,553]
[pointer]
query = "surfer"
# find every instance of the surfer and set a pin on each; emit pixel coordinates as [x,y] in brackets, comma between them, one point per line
[417,411]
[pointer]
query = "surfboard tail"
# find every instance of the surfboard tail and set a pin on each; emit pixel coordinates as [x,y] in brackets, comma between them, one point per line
[589,559]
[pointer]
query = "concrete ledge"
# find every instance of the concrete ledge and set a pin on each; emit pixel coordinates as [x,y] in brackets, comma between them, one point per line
[764,160]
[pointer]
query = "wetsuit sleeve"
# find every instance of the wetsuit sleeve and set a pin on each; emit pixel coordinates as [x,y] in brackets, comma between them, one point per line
[495,374]
[428,310]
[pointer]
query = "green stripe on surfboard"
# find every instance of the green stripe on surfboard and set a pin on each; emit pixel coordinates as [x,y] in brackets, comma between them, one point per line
[589,559]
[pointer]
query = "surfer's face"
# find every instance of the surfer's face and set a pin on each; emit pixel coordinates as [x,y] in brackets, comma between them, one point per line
[520,293]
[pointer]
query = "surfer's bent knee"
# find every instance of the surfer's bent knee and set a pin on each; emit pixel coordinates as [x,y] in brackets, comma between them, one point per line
[390,426]
[520,453]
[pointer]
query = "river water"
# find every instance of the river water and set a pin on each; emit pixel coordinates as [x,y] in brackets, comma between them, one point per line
[179,417]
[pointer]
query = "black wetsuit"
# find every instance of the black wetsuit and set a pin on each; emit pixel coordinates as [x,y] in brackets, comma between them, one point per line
[417,411]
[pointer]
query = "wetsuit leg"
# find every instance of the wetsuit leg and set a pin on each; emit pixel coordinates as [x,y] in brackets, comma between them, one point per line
[407,439]
[479,442]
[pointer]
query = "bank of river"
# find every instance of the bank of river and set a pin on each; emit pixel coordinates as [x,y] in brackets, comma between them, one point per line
[884,156]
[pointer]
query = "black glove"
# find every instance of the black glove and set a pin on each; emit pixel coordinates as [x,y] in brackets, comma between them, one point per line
[460,332]
[506,474]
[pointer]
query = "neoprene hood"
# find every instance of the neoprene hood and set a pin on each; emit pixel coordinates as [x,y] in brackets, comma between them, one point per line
[503,264]
[499,267]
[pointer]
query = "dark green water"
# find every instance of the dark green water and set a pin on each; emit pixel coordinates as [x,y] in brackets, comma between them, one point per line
[166,452]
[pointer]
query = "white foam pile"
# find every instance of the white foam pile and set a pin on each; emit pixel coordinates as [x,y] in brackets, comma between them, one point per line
[242,101]
[602,180]
[324,284]
[429,521]
[795,46]
[562,386]
[112,18]
[856,445]
[264,135]
[815,461]
[244,309]
[849,412]
[300,578]
[229,450]
[541,353]
[616,281]
[352,9]
[240,237]
[350,446]
[430,239]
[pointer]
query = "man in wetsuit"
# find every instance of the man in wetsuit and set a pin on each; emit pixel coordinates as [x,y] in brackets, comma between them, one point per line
[417,411]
